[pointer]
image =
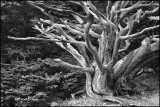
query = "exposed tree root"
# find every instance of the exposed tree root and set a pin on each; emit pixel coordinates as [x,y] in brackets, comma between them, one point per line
[95,96]
[78,92]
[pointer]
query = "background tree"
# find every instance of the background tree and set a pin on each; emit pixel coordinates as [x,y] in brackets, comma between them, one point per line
[113,32]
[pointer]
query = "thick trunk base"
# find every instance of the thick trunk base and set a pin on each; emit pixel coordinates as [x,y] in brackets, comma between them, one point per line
[99,84]
[98,96]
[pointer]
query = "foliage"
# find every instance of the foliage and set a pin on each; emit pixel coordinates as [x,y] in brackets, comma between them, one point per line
[15,19]
[25,81]
[30,84]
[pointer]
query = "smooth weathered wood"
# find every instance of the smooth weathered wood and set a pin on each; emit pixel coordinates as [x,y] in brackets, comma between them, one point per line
[106,73]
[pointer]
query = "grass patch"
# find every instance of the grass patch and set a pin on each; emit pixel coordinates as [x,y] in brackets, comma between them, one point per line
[84,101]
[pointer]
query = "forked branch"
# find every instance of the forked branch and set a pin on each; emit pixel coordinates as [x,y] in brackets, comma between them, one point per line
[139,33]
[60,63]
[88,42]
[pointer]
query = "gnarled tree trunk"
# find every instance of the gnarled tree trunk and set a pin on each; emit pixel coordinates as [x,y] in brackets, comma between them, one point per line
[106,74]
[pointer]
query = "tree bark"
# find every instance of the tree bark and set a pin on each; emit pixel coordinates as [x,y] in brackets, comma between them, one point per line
[109,75]
[100,82]
[124,70]
[133,62]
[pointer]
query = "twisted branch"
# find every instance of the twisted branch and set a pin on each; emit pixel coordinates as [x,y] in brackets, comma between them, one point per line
[139,33]
[88,42]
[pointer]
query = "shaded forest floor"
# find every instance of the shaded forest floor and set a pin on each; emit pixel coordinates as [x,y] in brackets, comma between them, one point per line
[38,84]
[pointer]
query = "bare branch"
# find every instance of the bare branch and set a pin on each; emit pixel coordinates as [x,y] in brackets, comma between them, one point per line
[71,27]
[133,19]
[136,58]
[155,36]
[60,63]
[76,2]
[74,53]
[155,39]
[93,34]
[67,11]
[105,47]
[108,8]
[124,3]
[101,47]
[68,47]
[126,46]
[61,31]
[88,42]
[138,15]
[114,8]
[65,46]
[155,45]
[130,24]
[59,10]
[79,15]
[34,38]
[103,19]
[147,13]
[45,39]
[87,10]
[78,18]
[126,11]
[69,41]
[80,45]
[154,17]
[135,6]
[41,9]
[123,31]
[115,50]
[81,30]
[73,30]
[139,33]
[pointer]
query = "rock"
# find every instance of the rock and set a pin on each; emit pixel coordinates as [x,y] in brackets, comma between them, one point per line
[54,104]
[55,101]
